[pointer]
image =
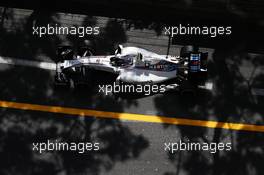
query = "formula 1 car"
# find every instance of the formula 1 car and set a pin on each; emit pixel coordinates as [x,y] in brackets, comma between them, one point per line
[134,65]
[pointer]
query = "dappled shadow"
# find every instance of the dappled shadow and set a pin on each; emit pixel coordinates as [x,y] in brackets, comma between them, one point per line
[112,35]
[234,74]
[158,27]
[19,129]
[230,101]
[20,41]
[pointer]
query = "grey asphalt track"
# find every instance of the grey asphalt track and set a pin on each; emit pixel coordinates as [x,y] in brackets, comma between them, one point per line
[131,148]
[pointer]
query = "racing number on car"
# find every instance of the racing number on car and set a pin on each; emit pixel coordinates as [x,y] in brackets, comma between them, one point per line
[98,60]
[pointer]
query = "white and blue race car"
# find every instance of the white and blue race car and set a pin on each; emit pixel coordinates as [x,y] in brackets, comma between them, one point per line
[134,65]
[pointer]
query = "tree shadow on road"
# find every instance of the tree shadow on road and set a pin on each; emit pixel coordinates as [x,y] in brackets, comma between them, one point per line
[18,37]
[234,73]
[19,129]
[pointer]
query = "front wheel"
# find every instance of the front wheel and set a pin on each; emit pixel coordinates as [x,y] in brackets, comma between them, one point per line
[64,53]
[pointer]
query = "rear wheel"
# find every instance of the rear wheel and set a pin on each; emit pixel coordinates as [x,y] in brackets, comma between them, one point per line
[204,57]
[187,89]
[187,50]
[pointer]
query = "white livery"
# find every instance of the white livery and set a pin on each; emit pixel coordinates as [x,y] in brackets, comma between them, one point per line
[133,65]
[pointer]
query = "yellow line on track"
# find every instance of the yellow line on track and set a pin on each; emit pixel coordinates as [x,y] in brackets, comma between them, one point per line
[132,117]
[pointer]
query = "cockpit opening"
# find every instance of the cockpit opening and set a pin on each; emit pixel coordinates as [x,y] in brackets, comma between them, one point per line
[126,60]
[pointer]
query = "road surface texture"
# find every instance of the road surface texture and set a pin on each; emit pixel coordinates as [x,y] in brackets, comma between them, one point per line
[128,147]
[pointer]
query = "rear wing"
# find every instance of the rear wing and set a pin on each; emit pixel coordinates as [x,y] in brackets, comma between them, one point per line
[198,67]
[198,62]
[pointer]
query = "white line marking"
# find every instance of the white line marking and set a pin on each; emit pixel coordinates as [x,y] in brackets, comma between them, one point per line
[207,86]
[52,66]
[257,92]
[29,63]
